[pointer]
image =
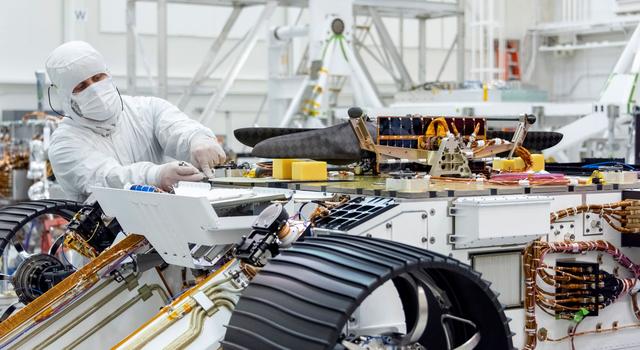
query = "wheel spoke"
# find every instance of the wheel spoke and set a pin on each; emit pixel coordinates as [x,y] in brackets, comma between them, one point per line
[56,245]
[21,251]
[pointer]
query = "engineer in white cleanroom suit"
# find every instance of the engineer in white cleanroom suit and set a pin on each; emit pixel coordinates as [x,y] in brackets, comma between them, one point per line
[110,140]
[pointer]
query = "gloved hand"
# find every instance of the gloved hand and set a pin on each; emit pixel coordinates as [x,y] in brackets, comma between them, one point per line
[206,152]
[170,173]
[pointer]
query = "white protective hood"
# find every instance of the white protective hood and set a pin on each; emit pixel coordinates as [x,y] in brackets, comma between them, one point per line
[68,65]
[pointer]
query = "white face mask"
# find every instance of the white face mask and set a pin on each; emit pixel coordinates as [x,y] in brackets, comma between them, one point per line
[99,102]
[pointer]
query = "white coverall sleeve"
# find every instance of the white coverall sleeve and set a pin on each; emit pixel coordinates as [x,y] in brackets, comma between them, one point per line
[174,130]
[77,169]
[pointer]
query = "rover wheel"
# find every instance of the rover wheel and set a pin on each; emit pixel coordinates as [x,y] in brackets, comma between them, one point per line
[306,298]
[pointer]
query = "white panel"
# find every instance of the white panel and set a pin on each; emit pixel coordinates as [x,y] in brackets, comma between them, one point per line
[369,318]
[160,218]
[481,221]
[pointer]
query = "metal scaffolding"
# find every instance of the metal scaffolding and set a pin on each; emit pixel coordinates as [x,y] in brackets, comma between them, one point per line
[374,9]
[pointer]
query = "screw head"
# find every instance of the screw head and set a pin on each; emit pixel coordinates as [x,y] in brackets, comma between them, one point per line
[424,216]
[432,212]
[571,226]
[432,240]
[388,225]
[424,239]
[542,334]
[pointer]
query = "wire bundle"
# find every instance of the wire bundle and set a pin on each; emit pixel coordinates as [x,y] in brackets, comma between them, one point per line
[562,305]
[8,163]
[623,216]
[514,179]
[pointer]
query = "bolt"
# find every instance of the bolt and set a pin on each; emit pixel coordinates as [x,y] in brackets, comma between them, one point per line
[561,227]
[432,212]
[587,230]
[588,216]
[388,225]
[368,235]
[423,216]
[542,334]
[424,239]
[571,226]
[432,240]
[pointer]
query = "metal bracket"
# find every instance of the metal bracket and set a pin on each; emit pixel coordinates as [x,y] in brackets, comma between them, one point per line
[131,281]
[449,160]
[521,132]
[453,238]
[145,292]
[204,301]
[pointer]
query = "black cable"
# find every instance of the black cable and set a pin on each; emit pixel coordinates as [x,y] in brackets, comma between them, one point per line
[49,98]
[312,201]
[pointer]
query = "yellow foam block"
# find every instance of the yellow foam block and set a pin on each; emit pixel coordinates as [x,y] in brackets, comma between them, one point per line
[519,164]
[282,168]
[309,171]
[498,164]
[538,162]
[508,164]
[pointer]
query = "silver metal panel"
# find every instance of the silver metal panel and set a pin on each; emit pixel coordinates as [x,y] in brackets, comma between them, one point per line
[504,270]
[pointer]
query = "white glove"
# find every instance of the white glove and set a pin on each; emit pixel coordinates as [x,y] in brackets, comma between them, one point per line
[170,173]
[206,152]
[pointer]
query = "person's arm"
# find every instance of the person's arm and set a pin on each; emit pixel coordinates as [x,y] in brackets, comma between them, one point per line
[77,168]
[184,138]
[174,130]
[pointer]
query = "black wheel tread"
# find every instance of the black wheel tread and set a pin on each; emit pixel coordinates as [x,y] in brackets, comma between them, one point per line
[14,217]
[302,298]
